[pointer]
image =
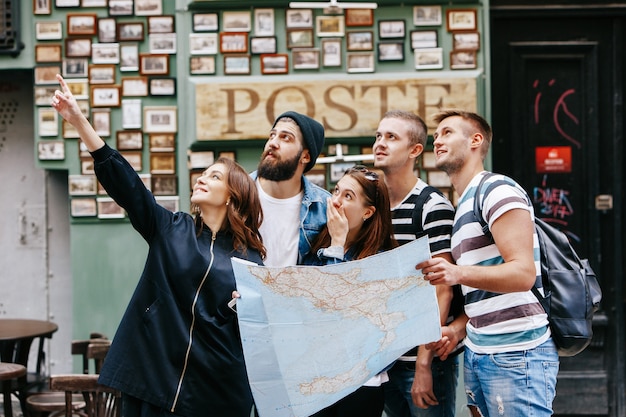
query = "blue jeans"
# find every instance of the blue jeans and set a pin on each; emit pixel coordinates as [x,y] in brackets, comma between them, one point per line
[398,401]
[512,384]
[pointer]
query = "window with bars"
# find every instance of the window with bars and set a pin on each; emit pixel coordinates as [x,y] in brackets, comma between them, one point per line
[9,28]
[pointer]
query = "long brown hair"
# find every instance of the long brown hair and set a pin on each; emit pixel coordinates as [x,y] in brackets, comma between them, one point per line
[244,214]
[377,232]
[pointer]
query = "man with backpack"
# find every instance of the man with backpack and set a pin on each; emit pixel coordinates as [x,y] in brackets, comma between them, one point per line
[511,362]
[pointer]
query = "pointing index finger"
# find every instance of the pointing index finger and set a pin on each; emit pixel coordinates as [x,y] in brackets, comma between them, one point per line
[63,84]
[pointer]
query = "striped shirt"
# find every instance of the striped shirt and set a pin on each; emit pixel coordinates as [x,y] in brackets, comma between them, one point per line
[498,322]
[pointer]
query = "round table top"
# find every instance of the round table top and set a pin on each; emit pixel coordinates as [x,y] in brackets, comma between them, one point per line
[11,370]
[11,329]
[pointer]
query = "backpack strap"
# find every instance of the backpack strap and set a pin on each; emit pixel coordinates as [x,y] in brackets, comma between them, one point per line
[421,199]
[478,205]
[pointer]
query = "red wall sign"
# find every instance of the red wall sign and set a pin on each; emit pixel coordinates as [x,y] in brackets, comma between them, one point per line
[553,159]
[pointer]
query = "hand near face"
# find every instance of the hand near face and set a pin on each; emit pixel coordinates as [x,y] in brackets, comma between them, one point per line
[337,224]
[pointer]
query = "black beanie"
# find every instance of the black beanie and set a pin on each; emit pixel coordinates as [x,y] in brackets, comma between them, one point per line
[312,133]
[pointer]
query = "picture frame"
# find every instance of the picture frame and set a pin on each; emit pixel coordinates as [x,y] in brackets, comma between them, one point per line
[163,163]
[466,41]
[107,30]
[461,20]
[84,107]
[120,7]
[51,150]
[232,155]
[42,7]
[338,169]
[390,29]
[75,68]
[135,86]
[233,42]
[130,31]
[81,24]
[429,160]
[47,122]
[427,15]
[161,24]
[331,52]
[359,17]
[129,140]
[162,142]
[162,86]
[79,87]
[274,63]
[162,43]
[298,18]
[360,40]
[47,74]
[236,21]
[205,22]
[428,58]
[299,38]
[68,131]
[305,58]
[359,62]
[101,120]
[263,45]
[134,158]
[78,47]
[390,51]
[93,3]
[463,60]
[87,165]
[131,113]
[437,178]
[101,74]
[424,39]
[203,43]
[329,25]
[66,3]
[170,203]
[82,184]
[83,207]
[236,64]
[108,209]
[105,96]
[318,176]
[148,7]
[43,95]
[264,22]
[154,64]
[105,53]
[200,159]
[45,30]
[129,57]
[48,53]
[160,119]
[164,184]
[202,65]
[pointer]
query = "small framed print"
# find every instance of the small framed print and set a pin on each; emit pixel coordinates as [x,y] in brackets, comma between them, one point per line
[200,160]
[317,176]
[274,64]
[48,30]
[83,207]
[164,184]
[305,58]
[360,62]
[83,105]
[130,31]
[203,43]
[163,163]
[154,64]
[236,64]
[338,169]
[105,53]
[147,180]
[131,113]
[105,96]
[134,158]
[120,7]
[264,22]
[161,24]
[427,15]
[93,3]
[263,45]
[299,38]
[239,21]
[51,150]
[171,203]
[47,122]
[390,51]
[129,57]
[109,209]
[360,41]
[359,17]
[205,22]
[129,140]
[47,74]
[162,43]
[231,42]
[388,29]
[81,24]
[107,30]
[101,119]
[202,65]
[135,86]
[48,53]
[160,119]
[148,7]
[438,179]
[299,18]
[102,74]
[428,58]
[75,68]
[423,39]
[66,3]
[42,6]
[329,25]
[82,184]
[43,95]
[68,130]
[87,165]
[331,52]
[78,48]
[466,41]
[462,59]
[428,160]
[232,155]
[160,86]
[79,88]
[162,142]
[461,19]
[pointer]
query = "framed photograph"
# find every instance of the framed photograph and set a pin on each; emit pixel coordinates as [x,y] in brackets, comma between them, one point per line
[47,74]
[101,74]
[462,59]
[105,53]
[109,209]
[331,52]
[438,179]
[239,21]
[163,163]
[360,41]
[134,158]
[129,31]
[359,17]
[169,202]
[51,150]
[129,57]
[161,24]
[78,48]
[66,3]
[205,22]
[107,30]
[75,68]
[299,18]
[154,64]
[86,165]
[129,140]
[264,22]
[148,7]
[318,176]
[236,64]
[360,62]
[79,88]
[83,207]
[461,19]
[390,51]
[45,31]
[81,24]
[162,86]
[68,131]
[43,95]
[82,184]
[203,43]
[93,3]
[162,43]
[428,160]
[202,65]
[42,6]
[120,7]
[423,39]
[299,38]
[164,184]
[263,45]
[228,154]
[388,29]
[274,63]
[101,120]
[83,105]
[427,15]
[332,25]
[305,58]
[162,142]
[201,160]
[338,169]
[160,119]
[105,96]
[47,121]
[231,42]
[428,58]
[135,86]
[466,41]
[131,113]
[48,53]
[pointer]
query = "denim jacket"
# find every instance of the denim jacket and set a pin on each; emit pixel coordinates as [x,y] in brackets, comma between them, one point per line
[312,215]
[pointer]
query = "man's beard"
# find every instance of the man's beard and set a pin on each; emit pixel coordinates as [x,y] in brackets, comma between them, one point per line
[279,169]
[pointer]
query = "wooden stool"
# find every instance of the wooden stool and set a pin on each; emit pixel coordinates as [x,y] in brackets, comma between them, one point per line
[9,371]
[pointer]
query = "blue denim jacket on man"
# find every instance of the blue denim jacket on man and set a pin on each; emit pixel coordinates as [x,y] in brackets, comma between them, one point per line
[312,215]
